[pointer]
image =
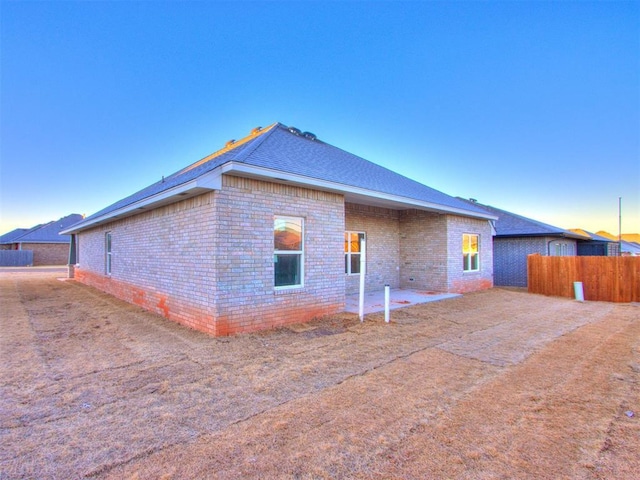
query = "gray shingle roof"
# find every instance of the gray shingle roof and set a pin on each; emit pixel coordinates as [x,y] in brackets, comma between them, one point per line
[13,234]
[513,225]
[45,233]
[593,236]
[278,149]
[315,159]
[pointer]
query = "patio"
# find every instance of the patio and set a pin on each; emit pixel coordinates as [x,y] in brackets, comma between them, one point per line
[398,298]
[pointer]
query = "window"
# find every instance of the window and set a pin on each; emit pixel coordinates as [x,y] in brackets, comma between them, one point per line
[288,251]
[560,249]
[352,252]
[470,253]
[108,253]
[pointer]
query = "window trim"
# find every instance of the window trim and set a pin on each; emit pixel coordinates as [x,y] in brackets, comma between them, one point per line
[350,253]
[561,249]
[108,253]
[469,263]
[299,253]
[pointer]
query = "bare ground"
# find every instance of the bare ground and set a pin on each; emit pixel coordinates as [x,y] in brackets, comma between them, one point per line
[493,385]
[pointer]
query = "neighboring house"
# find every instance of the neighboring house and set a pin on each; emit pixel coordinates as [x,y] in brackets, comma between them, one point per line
[516,237]
[269,231]
[6,240]
[45,241]
[626,245]
[630,249]
[596,245]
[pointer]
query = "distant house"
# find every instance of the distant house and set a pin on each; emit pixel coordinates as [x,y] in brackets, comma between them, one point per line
[270,230]
[627,245]
[630,249]
[44,240]
[596,245]
[516,237]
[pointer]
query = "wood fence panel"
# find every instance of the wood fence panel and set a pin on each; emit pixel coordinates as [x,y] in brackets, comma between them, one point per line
[608,279]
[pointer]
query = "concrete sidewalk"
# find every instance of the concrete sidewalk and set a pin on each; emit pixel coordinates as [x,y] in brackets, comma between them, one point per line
[398,298]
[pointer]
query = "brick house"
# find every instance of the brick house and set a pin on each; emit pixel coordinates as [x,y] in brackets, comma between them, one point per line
[268,231]
[44,240]
[516,237]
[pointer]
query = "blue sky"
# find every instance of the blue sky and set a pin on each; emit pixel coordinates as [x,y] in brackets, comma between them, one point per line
[532,107]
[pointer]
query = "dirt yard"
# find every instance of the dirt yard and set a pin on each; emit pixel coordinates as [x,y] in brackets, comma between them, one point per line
[493,385]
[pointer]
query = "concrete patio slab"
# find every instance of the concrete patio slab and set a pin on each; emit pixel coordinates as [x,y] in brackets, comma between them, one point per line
[398,298]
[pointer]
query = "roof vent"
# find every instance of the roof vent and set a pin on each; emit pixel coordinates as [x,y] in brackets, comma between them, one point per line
[309,135]
[294,130]
[254,131]
[229,143]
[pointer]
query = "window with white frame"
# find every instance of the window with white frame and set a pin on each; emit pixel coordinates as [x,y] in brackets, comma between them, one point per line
[560,249]
[470,252]
[288,255]
[352,252]
[107,249]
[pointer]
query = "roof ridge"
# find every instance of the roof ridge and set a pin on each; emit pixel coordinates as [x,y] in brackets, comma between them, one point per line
[230,145]
[248,150]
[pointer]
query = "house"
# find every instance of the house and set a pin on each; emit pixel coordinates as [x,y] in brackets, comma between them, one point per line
[516,237]
[270,230]
[628,247]
[44,240]
[596,245]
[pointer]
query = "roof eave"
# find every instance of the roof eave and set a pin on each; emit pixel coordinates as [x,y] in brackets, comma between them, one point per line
[541,234]
[351,193]
[207,182]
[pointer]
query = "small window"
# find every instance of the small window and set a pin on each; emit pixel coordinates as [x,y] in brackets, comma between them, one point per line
[561,249]
[108,253]
[352,252]
[288,257]
[470,253]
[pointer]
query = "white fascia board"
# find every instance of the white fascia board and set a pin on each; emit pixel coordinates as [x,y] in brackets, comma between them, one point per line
[209,181]
[397,201]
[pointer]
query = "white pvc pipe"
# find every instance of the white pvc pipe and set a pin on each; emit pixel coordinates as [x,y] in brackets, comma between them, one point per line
[386,303]
[579,292]
[362,274]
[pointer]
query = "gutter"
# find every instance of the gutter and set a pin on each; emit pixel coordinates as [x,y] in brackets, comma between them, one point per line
[213,181]
[207,182]
[398,201]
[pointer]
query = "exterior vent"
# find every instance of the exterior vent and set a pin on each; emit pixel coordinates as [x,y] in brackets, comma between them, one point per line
[294,130]
[309,135]
[229,143]
[255,131]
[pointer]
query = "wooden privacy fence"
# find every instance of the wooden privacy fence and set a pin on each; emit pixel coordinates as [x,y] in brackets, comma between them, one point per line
[607,279]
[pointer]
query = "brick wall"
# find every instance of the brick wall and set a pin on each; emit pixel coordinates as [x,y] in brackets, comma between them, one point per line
[431,252]
[246,297]
[48,253]
[382,229]
[162,260]
[423,250]
[207,262]
[510,257]
[460,281]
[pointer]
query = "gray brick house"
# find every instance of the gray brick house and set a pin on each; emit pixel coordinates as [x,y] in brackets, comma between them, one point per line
[516,237]
[268,231]
[594,245]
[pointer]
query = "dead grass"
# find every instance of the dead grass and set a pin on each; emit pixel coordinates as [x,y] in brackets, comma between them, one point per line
[498,384]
